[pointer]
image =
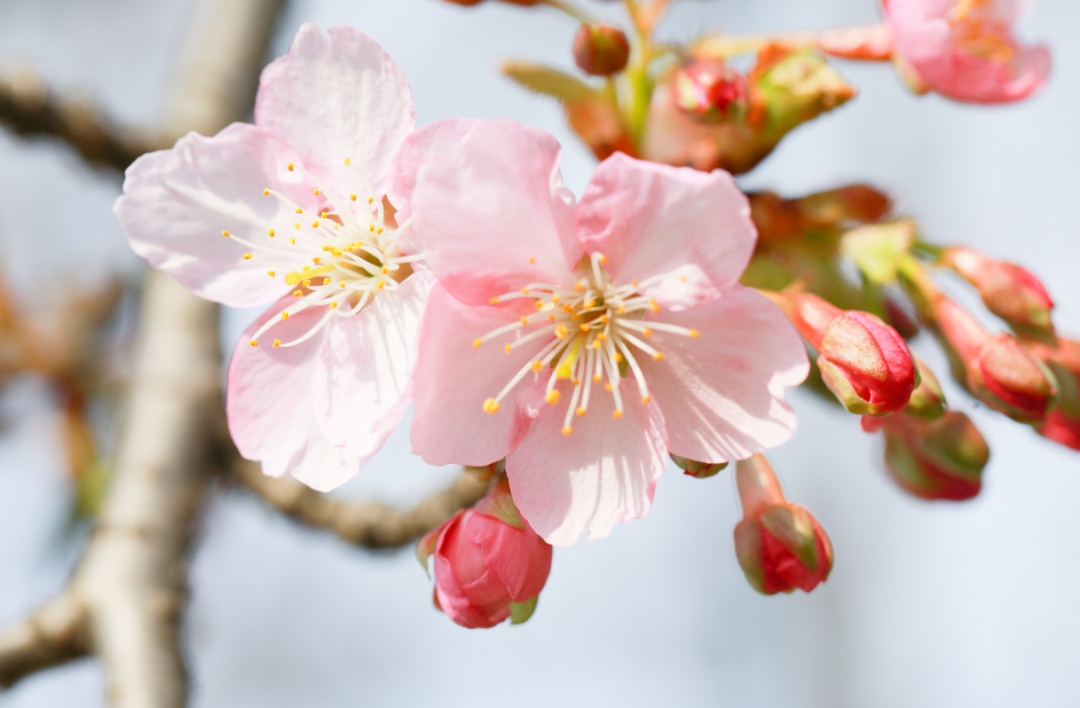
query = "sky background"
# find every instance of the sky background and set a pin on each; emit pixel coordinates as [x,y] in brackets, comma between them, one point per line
[929,605]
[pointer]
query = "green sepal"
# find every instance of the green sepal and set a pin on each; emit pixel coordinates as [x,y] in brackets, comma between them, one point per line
[550,82]
[879,249]
[520,612]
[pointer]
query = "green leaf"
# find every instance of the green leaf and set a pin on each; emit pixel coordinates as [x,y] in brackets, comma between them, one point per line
[520,612]
[550,82]
[878,249]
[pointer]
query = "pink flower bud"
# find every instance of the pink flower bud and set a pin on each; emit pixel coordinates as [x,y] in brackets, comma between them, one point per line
[1000,371]
[927,400]
[935,459]
[863,361]
[489,563]
[600,50]
[780,545]
[1009,291]
[708,90]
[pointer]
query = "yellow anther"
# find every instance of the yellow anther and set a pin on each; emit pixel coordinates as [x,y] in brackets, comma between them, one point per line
[336,251]
[694,334]
[579,287]
[552,397]
[524,321]
[494,301]
[604,319]
[324,247]
[508,348]
[596,344]
[658,356]
[305,268]
[584,327]
[379,230]
[554,299]
[682,278]
[524,291]
[225,234]
[491,405]
[277,342]
[248,256]
[551,318]
[616,414]
[297,293]
[253,343]
[622,309]
[619,358]
[532,259]
[561,331]
[589,304]
[370,200]
[341,284]
[576,382]
[270,233]
[326,281]
[306,282]
[284,315]
[645,400]
[647,332]
[323,214]
[380,285]
[477,342]
[290,167]
[602,336]
[315,224]
[597,378]
[315,191]
[271,273]
[292,240]
[296,226]
[347,161]
[580,411]
[266,192]
[537,366]
[333,305]
[299,210]
[654,305]
[352,197]
[567,430]
[607,387]
[602,258]
[385,269]
[539,305]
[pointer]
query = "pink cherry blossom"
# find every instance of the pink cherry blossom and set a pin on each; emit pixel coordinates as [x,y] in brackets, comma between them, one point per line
[290,212]
[585,342]
[966,50]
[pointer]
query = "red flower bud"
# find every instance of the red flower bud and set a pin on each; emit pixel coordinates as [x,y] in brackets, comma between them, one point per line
[935,459]
[1009,291]
[864,361]
[1000,371]
[708,90]
[600,50]
[489,563]
[780,545]
[927,400]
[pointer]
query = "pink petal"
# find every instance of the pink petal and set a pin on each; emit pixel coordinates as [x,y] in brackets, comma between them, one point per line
[722,392]
[269,405]
[336,97]
[177,202]
[601,474]
[361,388]
[649,219]
[487,206]
[453,379]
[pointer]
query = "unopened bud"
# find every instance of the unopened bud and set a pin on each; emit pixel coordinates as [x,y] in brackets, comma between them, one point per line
[936,459]
[708,90]
[600,50]
[1009,291]
[863,361]
[780,545]
[701,470]
[999,370]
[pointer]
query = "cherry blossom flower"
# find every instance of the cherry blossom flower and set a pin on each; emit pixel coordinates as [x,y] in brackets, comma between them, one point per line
[586,342]
[290,212]
[966,50]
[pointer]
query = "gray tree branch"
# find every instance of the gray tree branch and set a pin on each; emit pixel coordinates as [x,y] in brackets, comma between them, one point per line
[54,634]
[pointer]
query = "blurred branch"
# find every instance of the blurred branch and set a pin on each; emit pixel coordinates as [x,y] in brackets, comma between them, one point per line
[366,524]
[28,107]
[54,634]
[132,580]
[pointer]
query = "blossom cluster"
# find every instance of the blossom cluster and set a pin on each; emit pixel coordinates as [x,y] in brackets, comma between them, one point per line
[570,346]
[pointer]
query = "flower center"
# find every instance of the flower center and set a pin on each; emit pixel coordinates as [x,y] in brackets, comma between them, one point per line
[980,31]
[594,331]
[336,257]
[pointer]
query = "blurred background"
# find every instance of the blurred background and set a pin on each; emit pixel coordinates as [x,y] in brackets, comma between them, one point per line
[929,605]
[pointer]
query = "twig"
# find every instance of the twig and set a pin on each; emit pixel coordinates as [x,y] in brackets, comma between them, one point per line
[29,108]
[366,524]
[54,634]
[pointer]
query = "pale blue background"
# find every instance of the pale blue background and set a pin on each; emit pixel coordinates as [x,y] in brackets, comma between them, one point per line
[930,605]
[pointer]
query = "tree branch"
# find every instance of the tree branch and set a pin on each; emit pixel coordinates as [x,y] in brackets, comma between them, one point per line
[29,108]
[366,524]
[54,634]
